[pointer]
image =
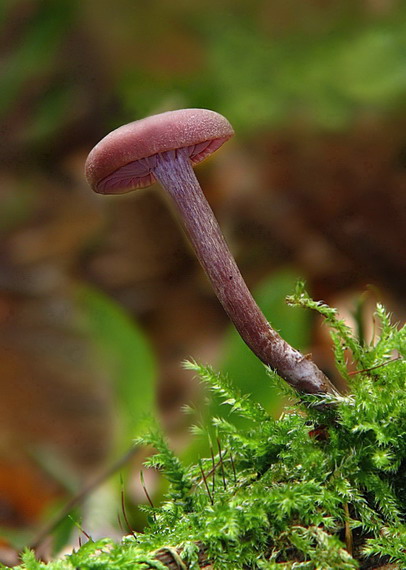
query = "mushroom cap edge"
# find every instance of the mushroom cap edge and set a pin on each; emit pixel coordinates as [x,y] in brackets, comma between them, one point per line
[152,135]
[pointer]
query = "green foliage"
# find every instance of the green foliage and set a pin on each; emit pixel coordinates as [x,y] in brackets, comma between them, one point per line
[364,355]
[325,69]
[321,487]
[125,355]
[99,555]
[38,50]
[325,75]
[167,460]
[322,64]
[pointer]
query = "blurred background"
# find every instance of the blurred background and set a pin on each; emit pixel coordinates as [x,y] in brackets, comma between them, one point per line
[101,298]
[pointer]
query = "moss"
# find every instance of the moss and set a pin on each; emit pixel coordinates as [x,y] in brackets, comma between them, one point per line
[323,486]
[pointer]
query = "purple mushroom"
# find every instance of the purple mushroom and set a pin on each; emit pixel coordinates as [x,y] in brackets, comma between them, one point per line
[164,148]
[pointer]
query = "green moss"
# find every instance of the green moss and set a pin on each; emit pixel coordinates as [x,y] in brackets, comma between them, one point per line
[321,487]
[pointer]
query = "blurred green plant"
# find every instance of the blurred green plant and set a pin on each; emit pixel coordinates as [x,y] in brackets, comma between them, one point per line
[324,76]
[125,354]
[324,69]
[325,79]
[35,53]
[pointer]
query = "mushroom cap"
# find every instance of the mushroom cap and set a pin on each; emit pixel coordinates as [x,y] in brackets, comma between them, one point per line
[112,166]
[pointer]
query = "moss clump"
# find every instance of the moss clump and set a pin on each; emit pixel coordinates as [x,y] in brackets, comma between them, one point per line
[324,486]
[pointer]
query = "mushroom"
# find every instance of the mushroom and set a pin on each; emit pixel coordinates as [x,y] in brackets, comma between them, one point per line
[164,148]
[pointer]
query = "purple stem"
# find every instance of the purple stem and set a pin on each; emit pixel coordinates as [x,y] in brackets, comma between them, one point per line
[173,169]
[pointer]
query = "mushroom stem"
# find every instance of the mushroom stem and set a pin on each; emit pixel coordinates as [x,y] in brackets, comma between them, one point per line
[174,171]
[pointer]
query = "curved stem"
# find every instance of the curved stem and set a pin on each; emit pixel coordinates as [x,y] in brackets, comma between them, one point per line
[175,173]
